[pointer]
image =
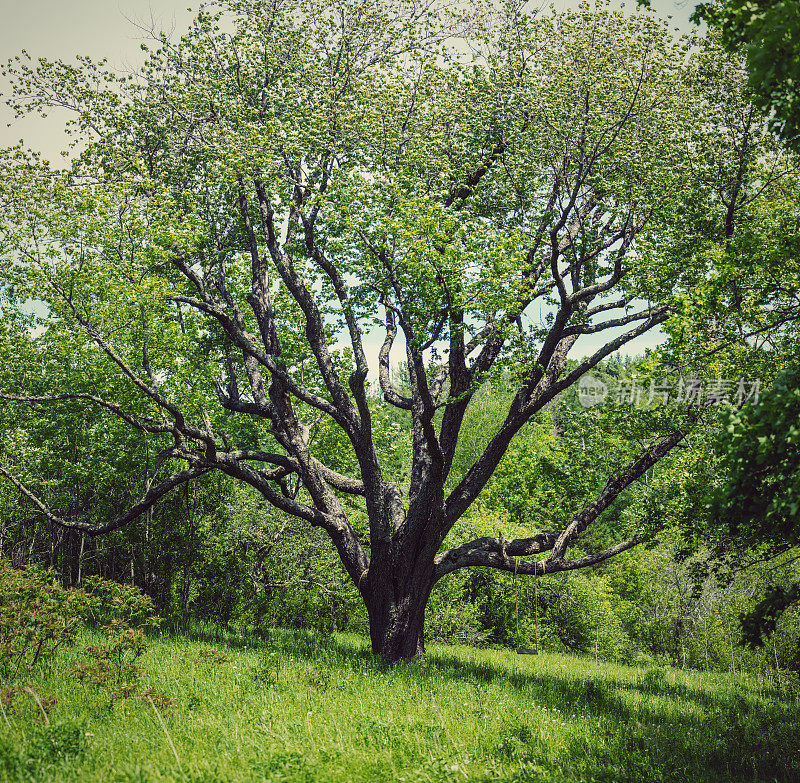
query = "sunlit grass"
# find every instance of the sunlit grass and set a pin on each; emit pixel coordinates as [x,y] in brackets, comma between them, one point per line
[297,707]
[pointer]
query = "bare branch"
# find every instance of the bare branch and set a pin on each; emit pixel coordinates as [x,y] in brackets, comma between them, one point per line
[614,322]
[153,494]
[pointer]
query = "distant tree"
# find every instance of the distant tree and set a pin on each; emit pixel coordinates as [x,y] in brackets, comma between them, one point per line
[270,193]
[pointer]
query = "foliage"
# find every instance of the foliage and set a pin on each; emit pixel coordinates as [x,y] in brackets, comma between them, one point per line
[285,179]
[768,34]
[759,506]
[452,618]
[117,605]
[763,618]
[37,617]
[761,453]
[738,316]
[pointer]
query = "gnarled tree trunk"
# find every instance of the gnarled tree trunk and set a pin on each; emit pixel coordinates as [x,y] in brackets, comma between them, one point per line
[397,621]
[396,592]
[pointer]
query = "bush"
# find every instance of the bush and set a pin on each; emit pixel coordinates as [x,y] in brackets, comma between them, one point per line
[37,617]
[450,618]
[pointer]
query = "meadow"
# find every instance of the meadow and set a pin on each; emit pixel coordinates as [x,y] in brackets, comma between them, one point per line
[294,706]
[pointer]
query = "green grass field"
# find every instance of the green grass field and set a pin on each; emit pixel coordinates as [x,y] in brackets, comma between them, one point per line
[299,708]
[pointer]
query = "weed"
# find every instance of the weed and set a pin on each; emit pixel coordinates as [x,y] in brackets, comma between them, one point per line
[57,745]
[319,679]
[152,696]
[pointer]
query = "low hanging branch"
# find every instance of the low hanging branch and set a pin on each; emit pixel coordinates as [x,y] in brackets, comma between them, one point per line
[498,553]
[148,500]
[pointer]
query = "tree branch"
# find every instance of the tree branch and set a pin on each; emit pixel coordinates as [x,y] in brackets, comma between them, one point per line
[153,494]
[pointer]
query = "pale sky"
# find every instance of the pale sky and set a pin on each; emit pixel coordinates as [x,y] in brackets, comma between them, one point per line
[60,29]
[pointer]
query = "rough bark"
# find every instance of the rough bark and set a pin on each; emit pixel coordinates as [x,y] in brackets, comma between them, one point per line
[397,621]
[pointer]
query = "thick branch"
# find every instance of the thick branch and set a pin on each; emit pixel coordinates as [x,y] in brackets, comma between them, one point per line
[336,480]
[495,559]
[487,547]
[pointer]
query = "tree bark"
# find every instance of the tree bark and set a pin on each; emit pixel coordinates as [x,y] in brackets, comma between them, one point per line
[397,629]
[397,616]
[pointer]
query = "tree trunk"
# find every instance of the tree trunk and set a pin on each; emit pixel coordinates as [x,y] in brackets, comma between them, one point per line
[397,620]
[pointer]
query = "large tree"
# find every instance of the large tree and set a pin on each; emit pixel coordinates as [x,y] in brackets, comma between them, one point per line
[293,181]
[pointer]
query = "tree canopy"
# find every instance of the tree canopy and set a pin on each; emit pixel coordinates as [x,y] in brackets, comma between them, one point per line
[767,32]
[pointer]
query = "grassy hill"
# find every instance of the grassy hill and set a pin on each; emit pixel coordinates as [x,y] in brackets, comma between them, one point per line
[301,708]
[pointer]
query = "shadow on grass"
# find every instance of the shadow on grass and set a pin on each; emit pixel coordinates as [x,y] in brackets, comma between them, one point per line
[646,729]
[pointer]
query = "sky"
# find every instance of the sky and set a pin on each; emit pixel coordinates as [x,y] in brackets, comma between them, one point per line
[59,29]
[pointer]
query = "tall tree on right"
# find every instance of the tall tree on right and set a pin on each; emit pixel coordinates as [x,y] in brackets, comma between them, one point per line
[757,296]
[767,32]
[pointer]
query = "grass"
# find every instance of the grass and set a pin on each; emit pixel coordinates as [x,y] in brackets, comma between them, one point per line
[295,707]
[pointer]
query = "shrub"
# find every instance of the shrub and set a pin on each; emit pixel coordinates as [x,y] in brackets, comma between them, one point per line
[451,618]
[37,617]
